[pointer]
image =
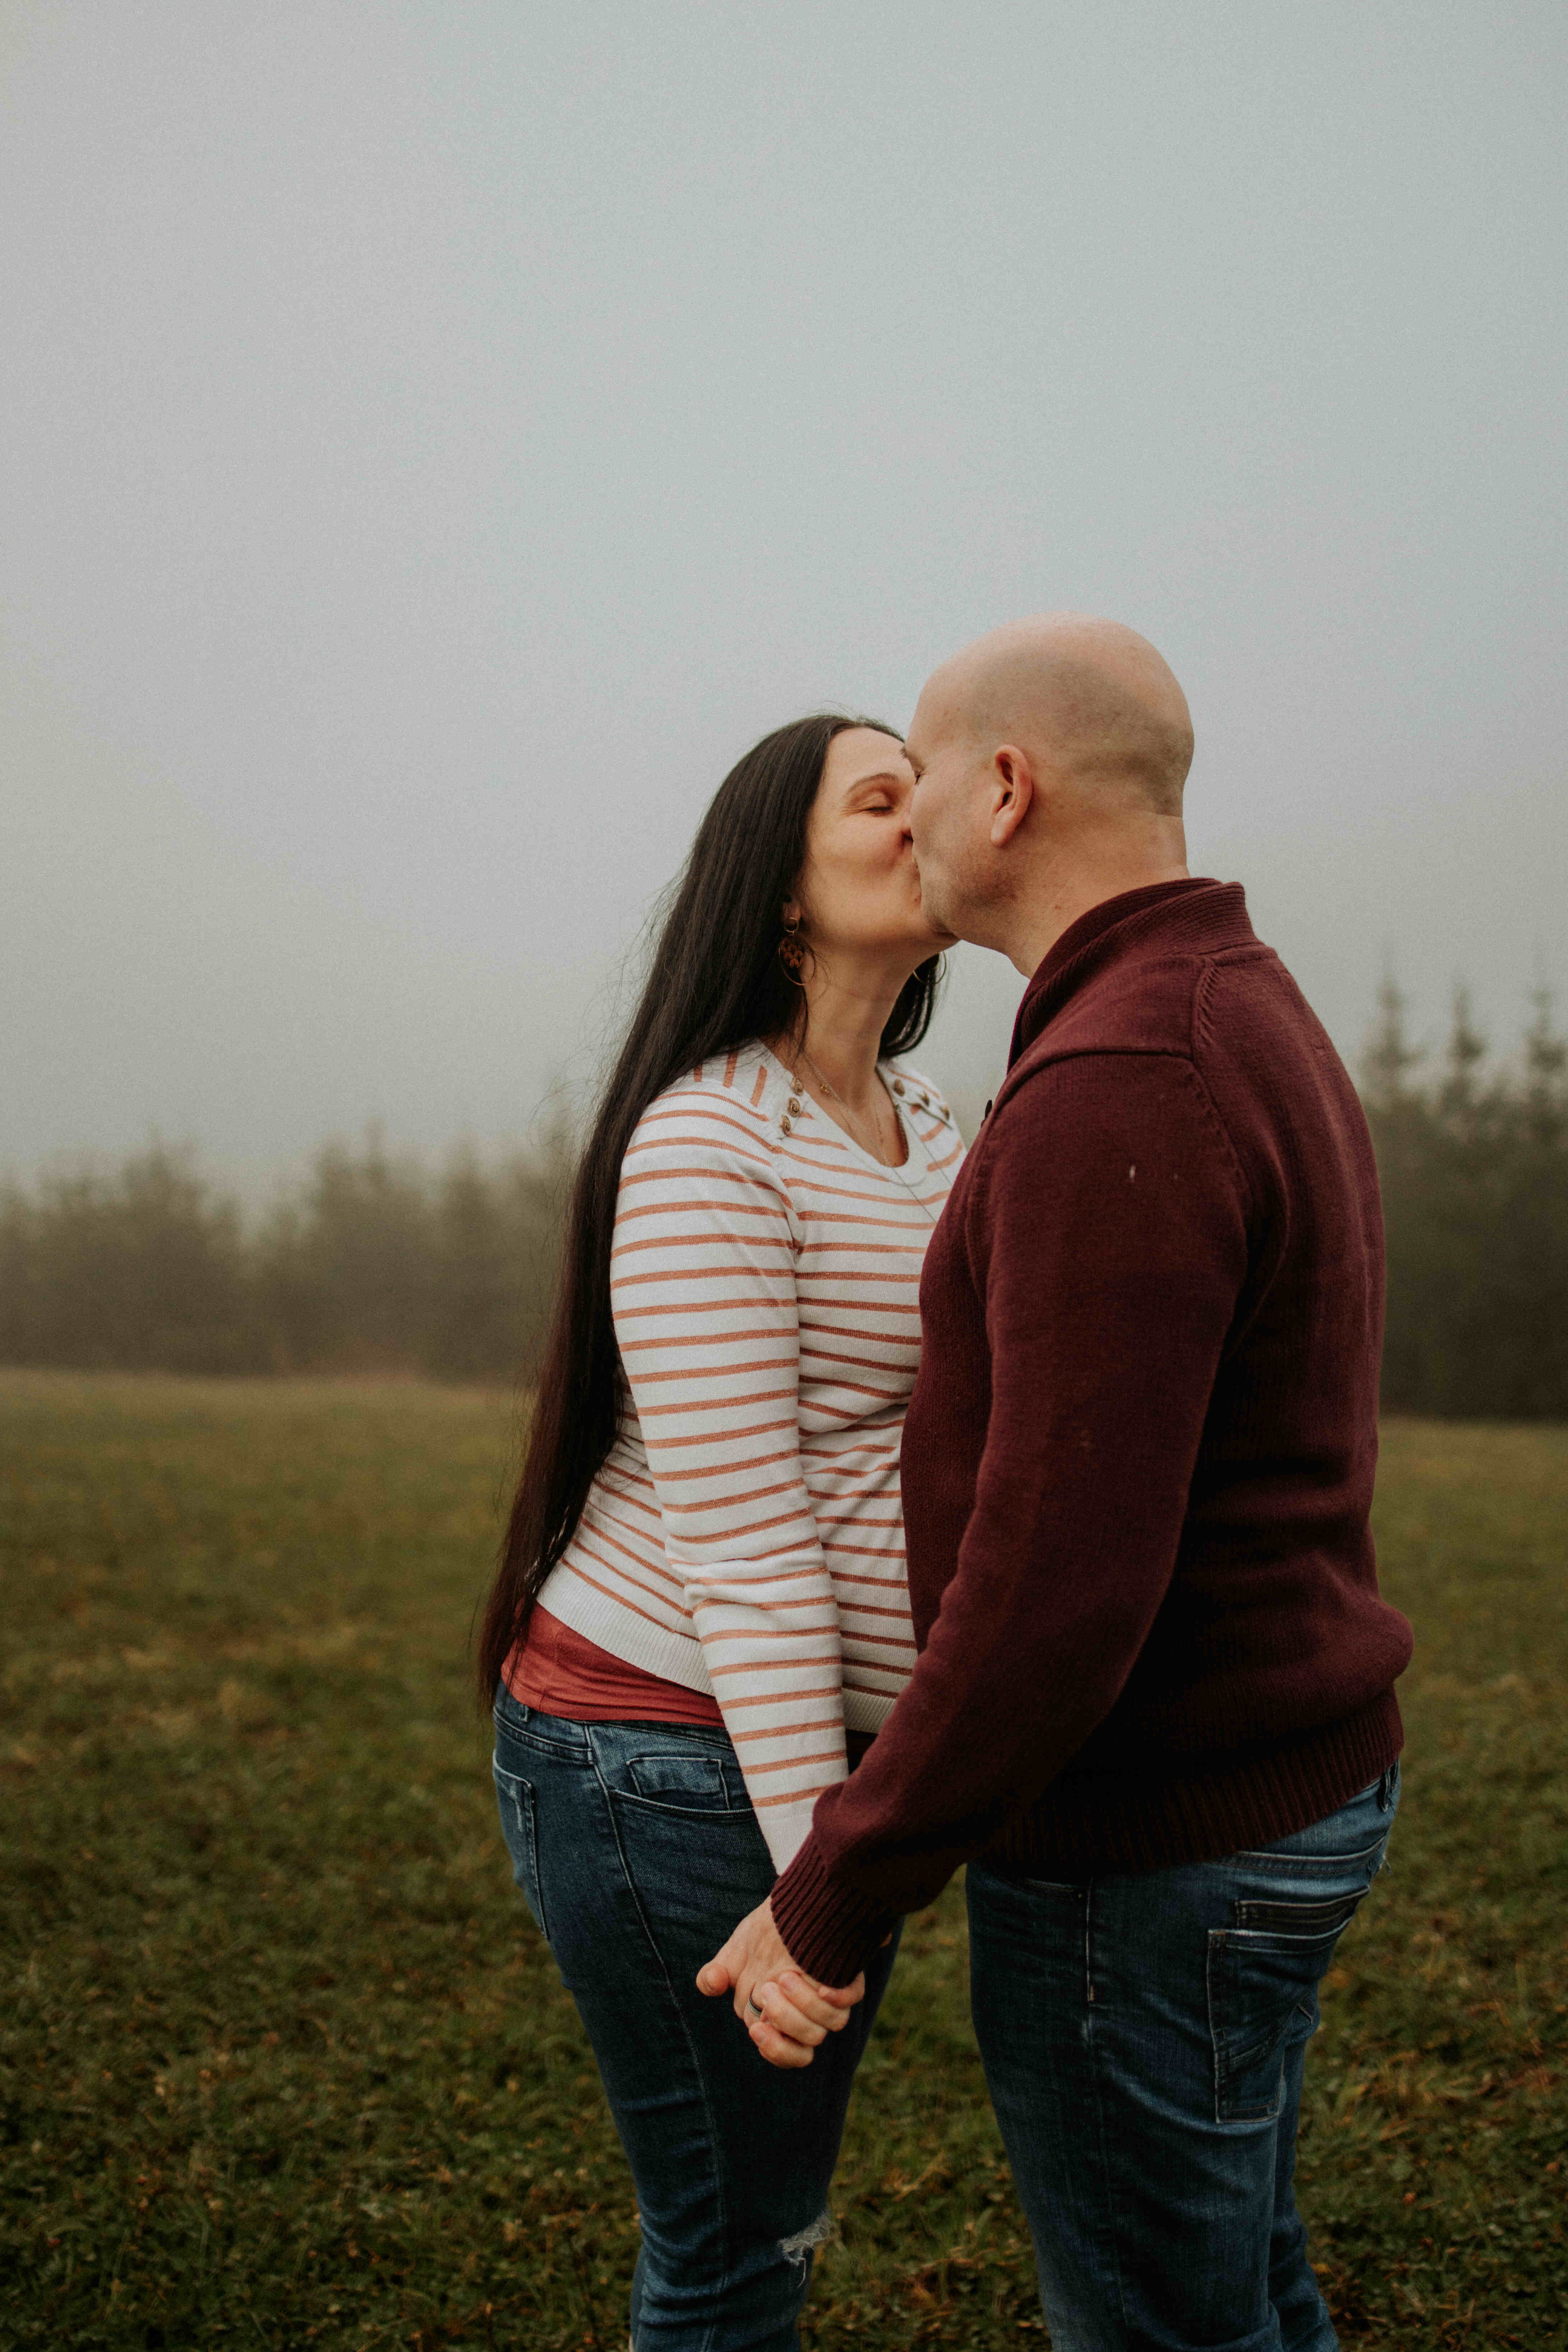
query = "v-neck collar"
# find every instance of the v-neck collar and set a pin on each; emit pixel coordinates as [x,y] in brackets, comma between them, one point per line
[916,1156]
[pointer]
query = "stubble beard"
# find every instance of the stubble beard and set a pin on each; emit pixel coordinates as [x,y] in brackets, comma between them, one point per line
[931,902]
[945,901]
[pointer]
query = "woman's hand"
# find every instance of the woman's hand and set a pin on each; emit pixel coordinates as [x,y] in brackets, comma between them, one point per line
[786,2012]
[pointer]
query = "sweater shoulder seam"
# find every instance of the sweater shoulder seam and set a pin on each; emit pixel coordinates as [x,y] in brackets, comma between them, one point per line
[1200,1010]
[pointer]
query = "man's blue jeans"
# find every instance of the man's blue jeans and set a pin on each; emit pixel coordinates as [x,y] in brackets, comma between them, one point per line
[638,1854]
[1143,2037]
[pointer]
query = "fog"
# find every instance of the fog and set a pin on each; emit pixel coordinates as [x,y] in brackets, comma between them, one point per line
[439,440]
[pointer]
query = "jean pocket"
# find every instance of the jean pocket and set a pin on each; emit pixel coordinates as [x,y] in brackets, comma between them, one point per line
[687,1783]
[1297,1920]
[1263,1978]
[520,1827]
[694,1868]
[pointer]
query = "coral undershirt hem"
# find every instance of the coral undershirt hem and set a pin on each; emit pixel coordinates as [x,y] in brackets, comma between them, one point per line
[561,1672]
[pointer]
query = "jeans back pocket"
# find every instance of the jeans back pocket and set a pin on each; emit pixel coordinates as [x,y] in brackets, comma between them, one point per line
[1263,1978]
[689,1783]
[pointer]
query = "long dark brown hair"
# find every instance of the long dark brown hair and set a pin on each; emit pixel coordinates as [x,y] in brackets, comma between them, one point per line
[714,981]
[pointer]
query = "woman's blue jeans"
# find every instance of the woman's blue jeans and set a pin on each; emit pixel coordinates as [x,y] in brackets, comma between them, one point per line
[1144,2038]
[638,1852]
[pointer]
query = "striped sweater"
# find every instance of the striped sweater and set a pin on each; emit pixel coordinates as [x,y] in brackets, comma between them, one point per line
[745,1536]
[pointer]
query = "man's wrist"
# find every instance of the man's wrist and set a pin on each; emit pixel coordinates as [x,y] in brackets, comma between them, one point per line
[829,1929]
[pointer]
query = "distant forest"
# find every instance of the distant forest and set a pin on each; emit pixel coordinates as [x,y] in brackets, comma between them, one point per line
[1473,1158]
[379,1264]
[374,1264]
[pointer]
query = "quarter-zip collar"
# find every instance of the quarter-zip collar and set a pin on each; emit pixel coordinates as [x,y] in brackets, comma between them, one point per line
[1191,916]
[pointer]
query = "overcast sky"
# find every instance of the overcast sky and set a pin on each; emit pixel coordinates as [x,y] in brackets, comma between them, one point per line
[438,439]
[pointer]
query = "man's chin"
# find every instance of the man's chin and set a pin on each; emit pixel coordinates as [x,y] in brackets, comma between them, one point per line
[943,934]
[942,930]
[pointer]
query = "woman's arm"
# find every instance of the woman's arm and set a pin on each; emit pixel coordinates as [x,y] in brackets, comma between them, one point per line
[704,1292]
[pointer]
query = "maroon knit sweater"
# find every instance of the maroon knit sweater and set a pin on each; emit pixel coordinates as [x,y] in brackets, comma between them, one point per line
[1137,1461]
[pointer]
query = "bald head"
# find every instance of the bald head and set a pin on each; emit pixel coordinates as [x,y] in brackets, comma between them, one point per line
[1050,757]
[1089,698]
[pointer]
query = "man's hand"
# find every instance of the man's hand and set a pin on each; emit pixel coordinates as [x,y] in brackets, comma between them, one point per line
[786,2012]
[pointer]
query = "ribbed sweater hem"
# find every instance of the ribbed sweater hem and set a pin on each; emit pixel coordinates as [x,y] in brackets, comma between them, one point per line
[1082,1829]
[1086,1828]
[659,1650]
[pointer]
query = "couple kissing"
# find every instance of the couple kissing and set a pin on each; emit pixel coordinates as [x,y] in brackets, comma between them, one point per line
[887,1509]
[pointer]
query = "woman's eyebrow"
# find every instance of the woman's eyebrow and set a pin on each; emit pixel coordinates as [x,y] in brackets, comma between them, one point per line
[882,776]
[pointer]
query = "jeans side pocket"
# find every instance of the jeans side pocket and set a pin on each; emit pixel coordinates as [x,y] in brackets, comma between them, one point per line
[520,1830]
[1263,2000]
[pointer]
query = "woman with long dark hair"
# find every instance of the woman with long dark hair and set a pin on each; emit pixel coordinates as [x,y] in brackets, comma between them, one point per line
[700,1616]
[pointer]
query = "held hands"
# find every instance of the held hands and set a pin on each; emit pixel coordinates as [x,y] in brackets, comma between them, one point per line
[785,2012]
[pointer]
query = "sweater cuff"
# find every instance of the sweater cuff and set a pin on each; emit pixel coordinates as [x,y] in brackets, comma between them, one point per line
[831,1931]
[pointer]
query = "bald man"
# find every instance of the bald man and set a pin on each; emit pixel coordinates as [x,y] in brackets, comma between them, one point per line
[1154,1708]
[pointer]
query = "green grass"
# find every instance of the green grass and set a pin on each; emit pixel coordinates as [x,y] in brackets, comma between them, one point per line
[284,2061]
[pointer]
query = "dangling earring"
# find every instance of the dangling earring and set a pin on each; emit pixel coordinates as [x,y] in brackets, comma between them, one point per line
[791,954]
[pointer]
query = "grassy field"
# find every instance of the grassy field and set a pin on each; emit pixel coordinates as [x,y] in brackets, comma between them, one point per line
[283,2062]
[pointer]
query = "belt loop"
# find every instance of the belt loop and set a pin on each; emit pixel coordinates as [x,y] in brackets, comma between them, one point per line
[1385,1788]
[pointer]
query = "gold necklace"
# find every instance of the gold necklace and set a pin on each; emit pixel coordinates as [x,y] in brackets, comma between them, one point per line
[895,1173]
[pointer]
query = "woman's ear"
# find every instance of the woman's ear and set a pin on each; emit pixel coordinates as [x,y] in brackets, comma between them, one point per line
[792,913]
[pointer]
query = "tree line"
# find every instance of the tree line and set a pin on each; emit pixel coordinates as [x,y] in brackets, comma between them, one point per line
[1473,1159]
[372,1264]
[378,1264]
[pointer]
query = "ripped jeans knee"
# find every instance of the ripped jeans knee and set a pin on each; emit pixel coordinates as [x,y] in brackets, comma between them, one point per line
[799,2249]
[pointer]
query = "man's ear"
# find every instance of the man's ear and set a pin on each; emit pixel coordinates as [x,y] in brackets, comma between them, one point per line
[1012,791]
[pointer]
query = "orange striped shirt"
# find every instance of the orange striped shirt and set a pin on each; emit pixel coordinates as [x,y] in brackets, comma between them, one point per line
[745,1536]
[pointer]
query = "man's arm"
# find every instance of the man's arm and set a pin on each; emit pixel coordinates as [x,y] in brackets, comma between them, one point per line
[1109,1237]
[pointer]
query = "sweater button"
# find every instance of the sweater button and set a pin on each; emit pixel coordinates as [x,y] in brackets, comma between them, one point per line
[897,1086]
[783,1126]
[795,1106]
